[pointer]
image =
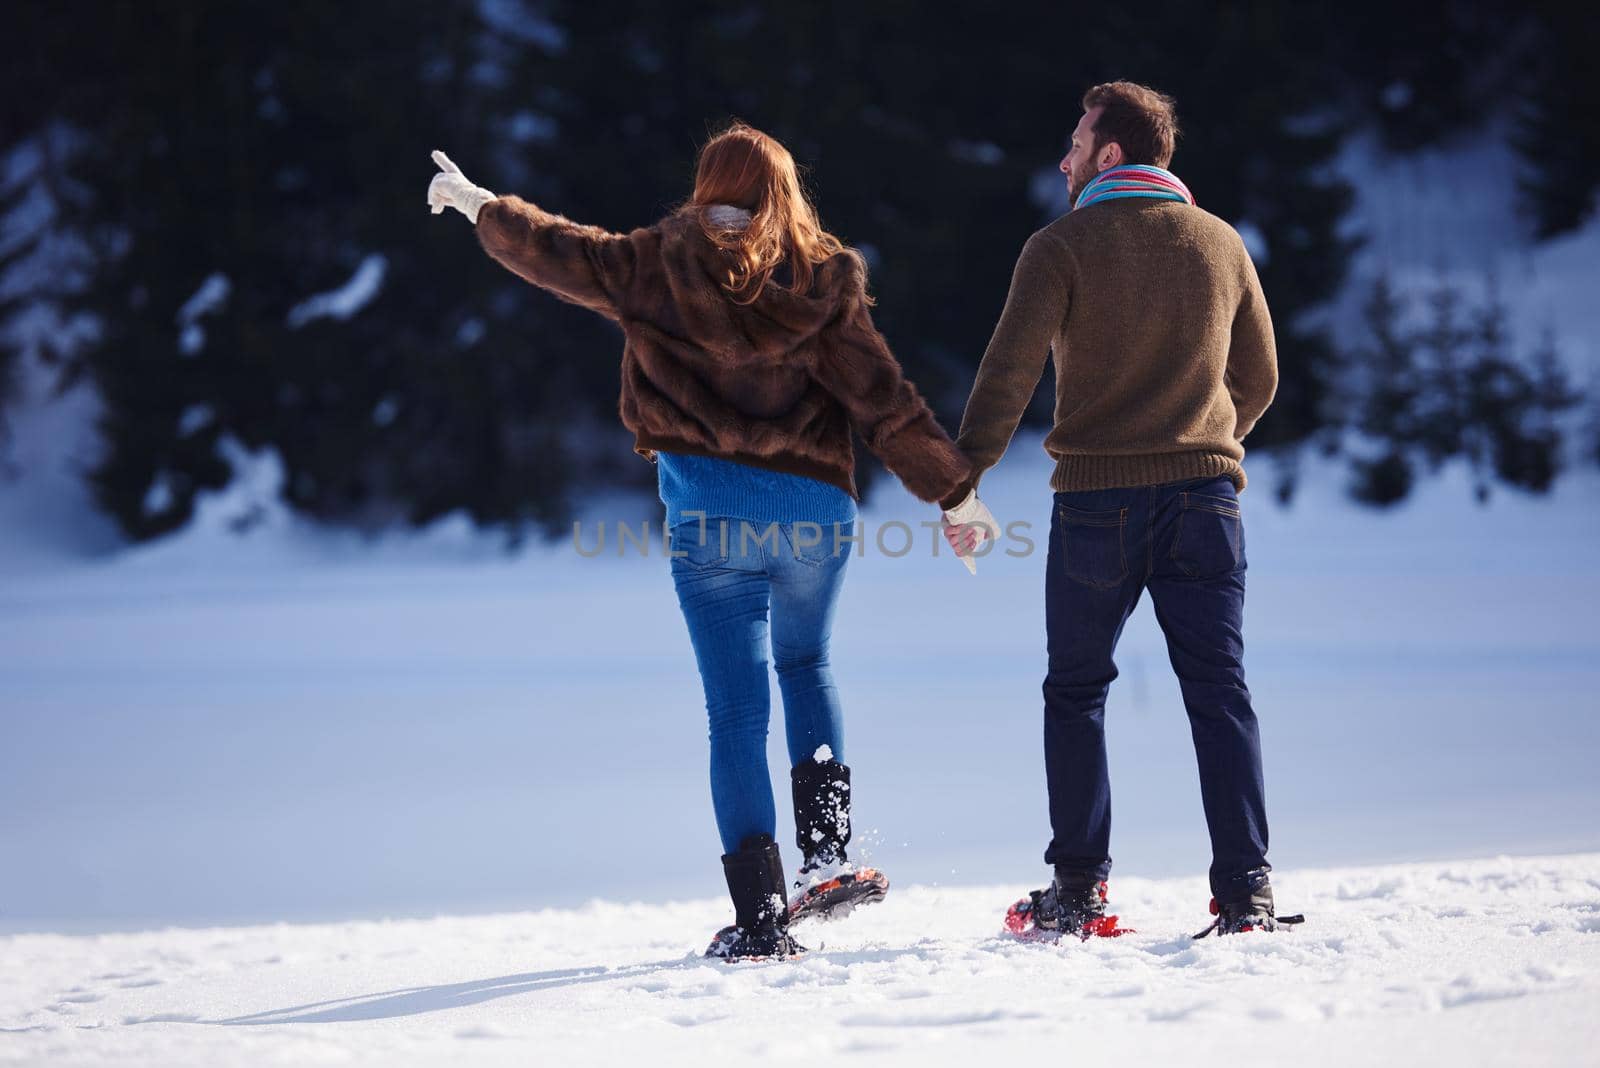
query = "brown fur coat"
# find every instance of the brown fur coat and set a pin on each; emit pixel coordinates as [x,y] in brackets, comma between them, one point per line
[777,384]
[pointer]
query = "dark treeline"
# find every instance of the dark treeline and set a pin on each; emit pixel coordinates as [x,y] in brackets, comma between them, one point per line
[183,177]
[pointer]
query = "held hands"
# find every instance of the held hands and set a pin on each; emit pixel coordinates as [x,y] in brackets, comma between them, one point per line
[450,189]
[967,526]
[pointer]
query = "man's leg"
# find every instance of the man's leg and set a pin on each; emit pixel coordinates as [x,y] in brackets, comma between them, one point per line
[1092,582]
[1197,586]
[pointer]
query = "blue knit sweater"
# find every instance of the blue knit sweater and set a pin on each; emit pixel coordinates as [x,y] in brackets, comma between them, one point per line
[705,484]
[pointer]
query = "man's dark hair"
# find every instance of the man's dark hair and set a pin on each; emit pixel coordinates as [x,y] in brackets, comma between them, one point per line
[1140,119]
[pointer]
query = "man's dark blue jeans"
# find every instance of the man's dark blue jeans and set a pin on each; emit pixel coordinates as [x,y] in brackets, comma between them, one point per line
[1184,542]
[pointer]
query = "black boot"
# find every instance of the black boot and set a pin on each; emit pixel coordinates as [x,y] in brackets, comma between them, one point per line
[821,810]
[827,885]
[1073,904]
[1251,910]
[760,905]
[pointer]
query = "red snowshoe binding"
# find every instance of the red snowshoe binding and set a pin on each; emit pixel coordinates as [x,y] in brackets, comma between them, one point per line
[1056,911]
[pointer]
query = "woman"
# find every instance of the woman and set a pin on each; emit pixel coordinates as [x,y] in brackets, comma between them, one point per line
[749,356]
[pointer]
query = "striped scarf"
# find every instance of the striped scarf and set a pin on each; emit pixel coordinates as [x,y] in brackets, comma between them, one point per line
[1134,180]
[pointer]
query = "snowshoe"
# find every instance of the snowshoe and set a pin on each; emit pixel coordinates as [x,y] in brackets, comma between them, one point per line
[771,942]
[833,891]
[1054,912]
[828,886]
[1253,913]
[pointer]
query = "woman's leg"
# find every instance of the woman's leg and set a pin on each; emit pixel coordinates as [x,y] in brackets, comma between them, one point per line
[723,594]
[805,591]
[807,575]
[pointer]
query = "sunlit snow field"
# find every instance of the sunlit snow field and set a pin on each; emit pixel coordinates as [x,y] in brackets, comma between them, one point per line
[1474,963]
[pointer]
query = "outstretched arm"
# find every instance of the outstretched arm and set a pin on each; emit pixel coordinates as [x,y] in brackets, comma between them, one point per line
[581,264]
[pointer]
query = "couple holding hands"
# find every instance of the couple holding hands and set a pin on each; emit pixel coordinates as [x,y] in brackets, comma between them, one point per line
[751,356]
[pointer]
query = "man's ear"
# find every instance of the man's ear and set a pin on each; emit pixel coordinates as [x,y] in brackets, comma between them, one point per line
[1110,156]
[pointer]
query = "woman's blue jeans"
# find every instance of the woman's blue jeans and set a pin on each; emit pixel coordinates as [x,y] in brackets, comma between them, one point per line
[730,572]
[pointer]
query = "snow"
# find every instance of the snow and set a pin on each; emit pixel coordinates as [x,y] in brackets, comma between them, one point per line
[385,411]
[1255,242]
[160,496]
[517,21]
[983,153]
[191,339]
[532,127]
[195,418]
[210,297]
[1397,95]
[471,332]
[345,301]
[1448,215]
[1470,962]
[58,263]
[46,512]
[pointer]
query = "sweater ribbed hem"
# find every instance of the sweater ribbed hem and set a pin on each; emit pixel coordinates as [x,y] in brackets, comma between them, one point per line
[645,444]
[701,486]
[1075,472]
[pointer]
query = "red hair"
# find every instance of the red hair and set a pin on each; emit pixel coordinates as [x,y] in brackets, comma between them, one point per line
[745,168]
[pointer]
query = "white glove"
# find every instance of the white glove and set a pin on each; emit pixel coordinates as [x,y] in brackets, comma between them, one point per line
[450,189]
[967,526]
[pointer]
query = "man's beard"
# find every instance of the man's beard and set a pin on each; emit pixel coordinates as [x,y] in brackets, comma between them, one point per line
[1078,179]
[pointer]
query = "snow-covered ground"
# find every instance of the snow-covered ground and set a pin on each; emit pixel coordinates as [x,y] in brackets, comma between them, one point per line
[1493,962]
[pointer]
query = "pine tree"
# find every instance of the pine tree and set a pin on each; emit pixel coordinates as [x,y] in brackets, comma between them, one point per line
[1593,426]
[242,159]
[41,261]
[1558,127]
[1385,383]
[1448,390]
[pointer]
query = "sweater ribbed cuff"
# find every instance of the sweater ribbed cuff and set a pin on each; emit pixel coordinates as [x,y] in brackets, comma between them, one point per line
[1077,472]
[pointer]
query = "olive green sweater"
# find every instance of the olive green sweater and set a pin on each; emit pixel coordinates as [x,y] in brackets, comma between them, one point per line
[1163,346]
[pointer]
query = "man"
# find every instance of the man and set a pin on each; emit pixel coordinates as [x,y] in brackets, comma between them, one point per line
[1164,360]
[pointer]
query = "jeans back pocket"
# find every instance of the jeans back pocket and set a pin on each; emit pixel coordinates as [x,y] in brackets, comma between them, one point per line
[817,544]
[703,546]
[1209,539]
[1092,546]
